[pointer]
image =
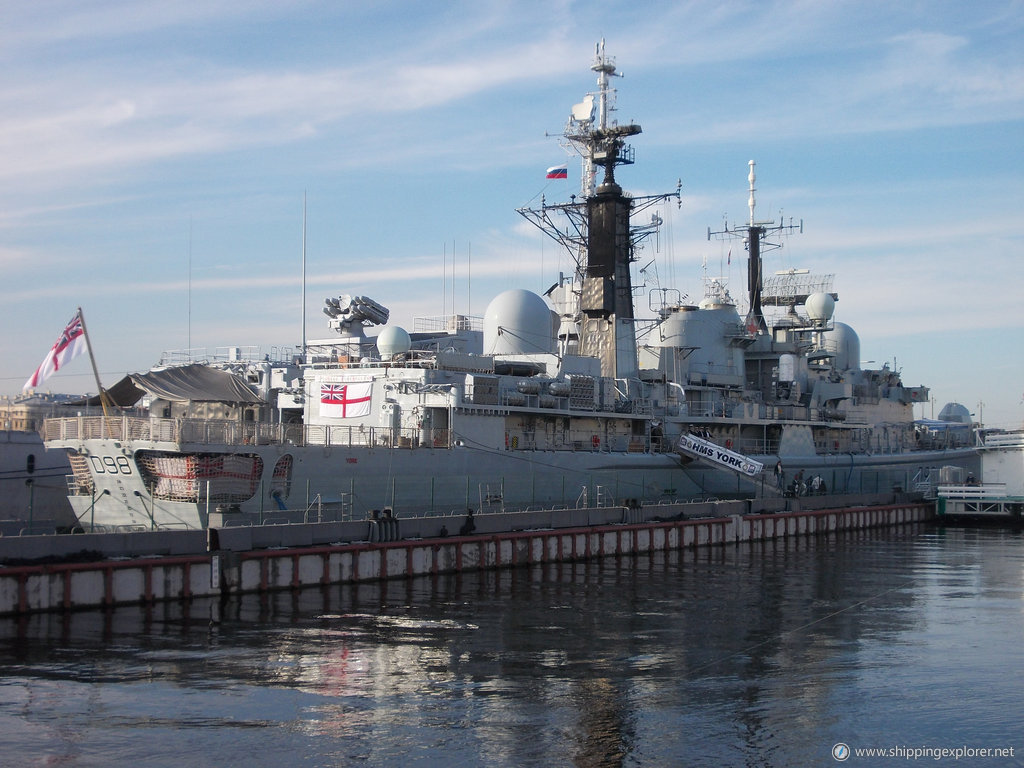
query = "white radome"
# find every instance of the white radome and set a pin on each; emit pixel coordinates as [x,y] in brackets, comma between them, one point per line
[844,343]
[392,341]
[518,322]
[820,306]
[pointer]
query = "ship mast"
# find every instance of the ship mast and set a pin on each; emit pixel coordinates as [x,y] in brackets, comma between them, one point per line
[598,234]
[755,236]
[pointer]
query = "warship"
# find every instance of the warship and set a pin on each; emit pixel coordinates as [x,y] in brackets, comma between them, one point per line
[558,401]
[33,490]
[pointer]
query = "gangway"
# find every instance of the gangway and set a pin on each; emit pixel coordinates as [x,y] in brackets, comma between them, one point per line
[702,448]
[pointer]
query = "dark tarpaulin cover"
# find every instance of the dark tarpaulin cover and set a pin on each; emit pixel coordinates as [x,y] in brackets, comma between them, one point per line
[123,394]
[188,383]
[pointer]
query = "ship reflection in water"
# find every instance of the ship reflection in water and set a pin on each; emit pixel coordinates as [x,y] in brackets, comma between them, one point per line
[765,655]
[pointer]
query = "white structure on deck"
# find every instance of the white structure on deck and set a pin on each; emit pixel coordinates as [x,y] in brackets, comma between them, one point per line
[1001,492]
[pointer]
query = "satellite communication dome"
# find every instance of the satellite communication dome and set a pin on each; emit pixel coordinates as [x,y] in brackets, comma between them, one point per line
[392,341]
[844,343]
[820,306]
[518,322]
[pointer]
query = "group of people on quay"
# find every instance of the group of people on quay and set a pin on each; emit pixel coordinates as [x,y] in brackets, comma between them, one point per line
[814,487]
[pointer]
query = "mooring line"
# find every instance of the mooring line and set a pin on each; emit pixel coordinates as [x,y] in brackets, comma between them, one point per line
[749,649]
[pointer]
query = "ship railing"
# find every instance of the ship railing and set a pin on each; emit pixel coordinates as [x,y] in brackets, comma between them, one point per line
[924,487]
[582,501]
[318,503]
[242,354]
[448,323]
[95,428]
[594,443]
[755,447]
[1003,440]
[226,432]
[235,433]
[973,492]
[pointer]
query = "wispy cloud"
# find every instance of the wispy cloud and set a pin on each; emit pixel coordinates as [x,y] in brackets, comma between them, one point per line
[31,25]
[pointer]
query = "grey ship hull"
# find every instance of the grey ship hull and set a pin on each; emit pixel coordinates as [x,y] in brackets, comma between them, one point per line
[37,501]
[339,483]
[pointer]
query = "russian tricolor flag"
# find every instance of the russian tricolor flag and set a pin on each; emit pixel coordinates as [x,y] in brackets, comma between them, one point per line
[558,172]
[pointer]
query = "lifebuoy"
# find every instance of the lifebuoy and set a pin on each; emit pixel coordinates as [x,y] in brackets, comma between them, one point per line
[595,441]
[728,444]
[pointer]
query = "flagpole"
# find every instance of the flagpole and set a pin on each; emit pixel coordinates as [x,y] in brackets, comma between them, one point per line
[95,370]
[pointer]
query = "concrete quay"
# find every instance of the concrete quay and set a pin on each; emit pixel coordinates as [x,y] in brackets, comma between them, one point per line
[234,567]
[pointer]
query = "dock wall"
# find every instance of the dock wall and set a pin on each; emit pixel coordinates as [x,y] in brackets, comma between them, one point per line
[222,572]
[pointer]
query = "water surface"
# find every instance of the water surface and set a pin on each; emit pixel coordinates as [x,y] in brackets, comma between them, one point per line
[751,655]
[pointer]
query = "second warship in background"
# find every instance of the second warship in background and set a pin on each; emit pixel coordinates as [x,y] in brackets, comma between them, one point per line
[555,401]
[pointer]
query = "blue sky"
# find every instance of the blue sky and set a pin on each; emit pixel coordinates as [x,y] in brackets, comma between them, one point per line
[154,158]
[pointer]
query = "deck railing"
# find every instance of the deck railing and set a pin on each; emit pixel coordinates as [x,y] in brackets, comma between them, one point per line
[233,433]
[987,491]
[1005,440]
[236,433]
[223,432]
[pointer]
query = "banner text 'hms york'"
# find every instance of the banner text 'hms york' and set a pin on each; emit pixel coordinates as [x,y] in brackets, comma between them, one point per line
[705,449]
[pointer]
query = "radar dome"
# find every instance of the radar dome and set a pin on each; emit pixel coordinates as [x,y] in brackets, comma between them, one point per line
[393,340]
[820,306]
[844,344]
[518,322]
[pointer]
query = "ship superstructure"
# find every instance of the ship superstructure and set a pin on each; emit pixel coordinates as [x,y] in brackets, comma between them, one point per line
[564,400]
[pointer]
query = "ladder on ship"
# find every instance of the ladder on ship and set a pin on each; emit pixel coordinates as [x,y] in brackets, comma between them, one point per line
[602,497]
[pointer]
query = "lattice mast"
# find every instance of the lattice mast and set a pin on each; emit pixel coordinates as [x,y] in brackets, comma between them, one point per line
[754,236]
[597,232]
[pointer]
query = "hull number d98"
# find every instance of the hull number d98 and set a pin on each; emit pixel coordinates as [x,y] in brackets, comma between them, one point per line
[111,465]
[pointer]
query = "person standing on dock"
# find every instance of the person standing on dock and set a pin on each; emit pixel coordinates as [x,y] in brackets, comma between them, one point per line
[780,476]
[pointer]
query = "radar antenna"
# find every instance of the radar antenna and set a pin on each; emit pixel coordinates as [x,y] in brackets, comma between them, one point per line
[754,236]
[593,134]
[595,228]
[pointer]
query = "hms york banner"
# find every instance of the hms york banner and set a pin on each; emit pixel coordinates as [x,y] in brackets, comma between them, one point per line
[705,449]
